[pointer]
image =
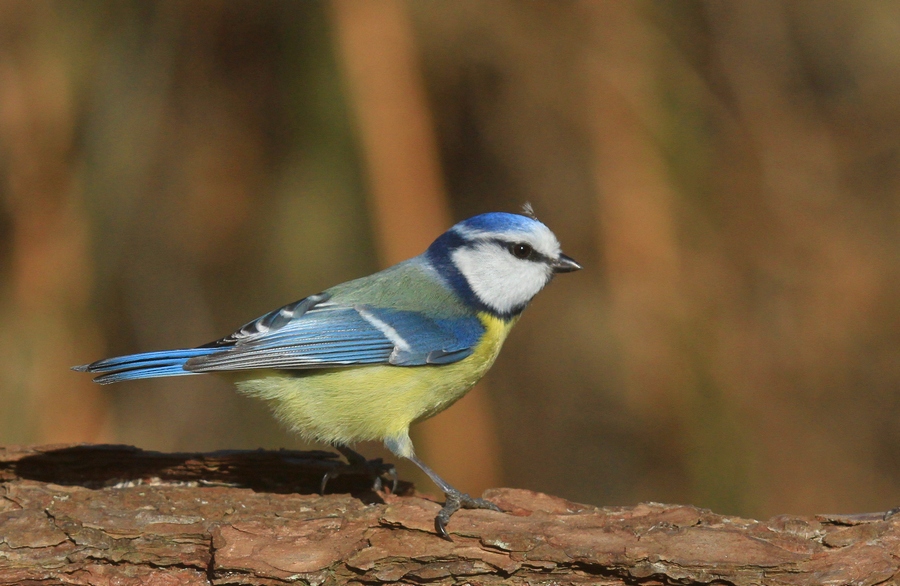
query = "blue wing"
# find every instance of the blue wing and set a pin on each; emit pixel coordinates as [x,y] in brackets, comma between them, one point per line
[311,333]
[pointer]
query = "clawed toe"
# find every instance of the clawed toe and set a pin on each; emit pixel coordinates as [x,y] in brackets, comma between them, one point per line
[455,501]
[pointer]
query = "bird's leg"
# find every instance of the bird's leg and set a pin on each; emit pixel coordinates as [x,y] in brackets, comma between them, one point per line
[358,464]
[455,500]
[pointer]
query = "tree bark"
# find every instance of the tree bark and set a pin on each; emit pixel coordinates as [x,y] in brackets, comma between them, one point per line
[118,515]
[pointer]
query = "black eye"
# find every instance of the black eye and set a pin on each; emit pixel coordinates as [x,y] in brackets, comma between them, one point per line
[520,250]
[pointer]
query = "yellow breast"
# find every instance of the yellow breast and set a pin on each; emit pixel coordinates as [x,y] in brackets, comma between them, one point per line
[358,403]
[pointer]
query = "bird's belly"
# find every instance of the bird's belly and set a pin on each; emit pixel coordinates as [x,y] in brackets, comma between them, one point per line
[374,402]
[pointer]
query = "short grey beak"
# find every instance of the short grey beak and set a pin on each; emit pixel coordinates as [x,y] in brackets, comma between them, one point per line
[565,264]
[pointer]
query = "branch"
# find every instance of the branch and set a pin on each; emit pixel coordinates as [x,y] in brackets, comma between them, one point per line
[116,514]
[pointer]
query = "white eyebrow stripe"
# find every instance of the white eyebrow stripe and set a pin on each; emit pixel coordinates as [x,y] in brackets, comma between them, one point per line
[389,332]
[541,238]
[468,233]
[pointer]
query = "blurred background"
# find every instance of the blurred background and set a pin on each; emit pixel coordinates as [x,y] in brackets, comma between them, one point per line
[727,172]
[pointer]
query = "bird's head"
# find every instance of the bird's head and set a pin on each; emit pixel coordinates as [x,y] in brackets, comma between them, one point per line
[498,261]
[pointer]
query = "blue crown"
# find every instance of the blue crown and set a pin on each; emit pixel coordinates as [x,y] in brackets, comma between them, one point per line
[499,222]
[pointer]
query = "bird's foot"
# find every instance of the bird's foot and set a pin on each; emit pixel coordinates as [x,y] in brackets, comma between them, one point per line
[358,464]
[457,500]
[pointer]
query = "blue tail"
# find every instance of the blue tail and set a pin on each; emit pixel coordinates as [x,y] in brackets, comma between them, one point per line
[145,365]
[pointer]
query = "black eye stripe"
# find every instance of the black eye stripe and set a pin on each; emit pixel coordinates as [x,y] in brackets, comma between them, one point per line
[533,255]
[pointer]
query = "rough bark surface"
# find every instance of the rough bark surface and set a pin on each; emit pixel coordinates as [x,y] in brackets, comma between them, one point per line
[118,515]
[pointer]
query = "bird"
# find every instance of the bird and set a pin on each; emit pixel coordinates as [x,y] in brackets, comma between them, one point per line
[367,358]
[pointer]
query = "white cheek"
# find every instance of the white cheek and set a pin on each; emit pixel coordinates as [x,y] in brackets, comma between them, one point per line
[501,281]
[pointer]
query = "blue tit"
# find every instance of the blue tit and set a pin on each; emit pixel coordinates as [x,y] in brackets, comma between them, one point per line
[366,359]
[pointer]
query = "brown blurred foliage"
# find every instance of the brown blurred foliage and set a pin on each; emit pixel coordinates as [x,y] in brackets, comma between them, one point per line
[728,173]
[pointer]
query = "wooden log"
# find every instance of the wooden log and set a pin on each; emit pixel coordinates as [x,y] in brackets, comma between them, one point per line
[117,515]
